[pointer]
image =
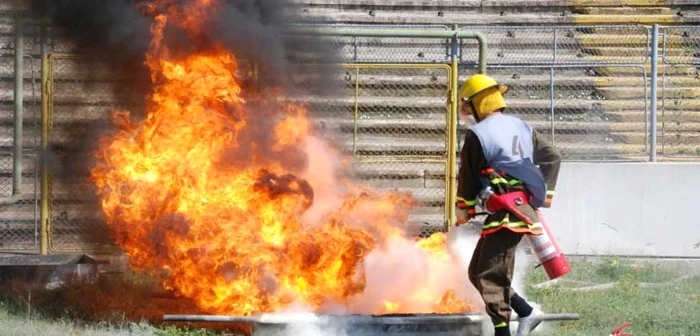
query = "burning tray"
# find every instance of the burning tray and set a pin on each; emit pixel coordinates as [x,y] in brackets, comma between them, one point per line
[360,325]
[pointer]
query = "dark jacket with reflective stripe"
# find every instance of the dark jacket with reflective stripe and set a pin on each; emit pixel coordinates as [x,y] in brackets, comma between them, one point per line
[476,171]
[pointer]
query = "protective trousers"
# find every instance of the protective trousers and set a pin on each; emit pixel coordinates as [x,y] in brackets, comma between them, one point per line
[491,272]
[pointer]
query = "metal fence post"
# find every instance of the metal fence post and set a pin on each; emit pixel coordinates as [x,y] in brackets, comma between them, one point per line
[452,145]
[551,84]
[18,118]
[44,221]
[654,87]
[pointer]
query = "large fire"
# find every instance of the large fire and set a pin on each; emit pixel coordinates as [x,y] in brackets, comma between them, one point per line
[229,222]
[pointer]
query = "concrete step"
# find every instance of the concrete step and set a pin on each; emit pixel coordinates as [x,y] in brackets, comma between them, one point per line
[29,191]
[625,51]
[679,119]
[496,3]
[64,215]
[618,39]
[670,116]
[589,144]
[680,152]
[415,126]
[29,166]
[676,138]
[619,93]
[587,151]
[640,11]
[394,16]
[18,230]
[423,195]
[629,3]
[684,59]
[418,103]
[631,19]
[637,81]
[399,167]
[428,219]
[675,70]
[515,77]
[7,70]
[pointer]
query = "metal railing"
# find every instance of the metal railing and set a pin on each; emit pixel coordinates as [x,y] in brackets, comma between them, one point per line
[680,92]
[591,90]
[19,126]
[576,85]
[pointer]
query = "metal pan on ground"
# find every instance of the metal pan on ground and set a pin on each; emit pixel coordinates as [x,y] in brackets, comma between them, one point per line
[361,325]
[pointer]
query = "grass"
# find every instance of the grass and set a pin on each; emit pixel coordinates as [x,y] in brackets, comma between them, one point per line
[114,305]
[12,324]
[670,306]
[132,304]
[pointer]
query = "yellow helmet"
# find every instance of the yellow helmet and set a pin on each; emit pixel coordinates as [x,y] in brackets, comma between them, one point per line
[483,95]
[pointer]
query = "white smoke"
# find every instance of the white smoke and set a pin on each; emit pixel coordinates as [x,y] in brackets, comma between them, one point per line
[323,164]
[313,329]
[294,324]
[398,267]
[463,240]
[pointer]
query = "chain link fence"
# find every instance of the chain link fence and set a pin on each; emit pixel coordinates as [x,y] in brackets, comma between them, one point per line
[539,45]
[82,95]
[680,92]
[385,50]
[584,88]
[393,120]
[19,197]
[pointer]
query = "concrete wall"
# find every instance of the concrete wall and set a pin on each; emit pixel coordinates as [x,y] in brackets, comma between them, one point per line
[639,209]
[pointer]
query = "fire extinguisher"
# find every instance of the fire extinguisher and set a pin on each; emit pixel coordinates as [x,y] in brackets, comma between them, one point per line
[545,245]
[551,258]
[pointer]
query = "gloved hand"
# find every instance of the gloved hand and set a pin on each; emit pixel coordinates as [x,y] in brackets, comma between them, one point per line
[462,216]
[548,200]
[462,212]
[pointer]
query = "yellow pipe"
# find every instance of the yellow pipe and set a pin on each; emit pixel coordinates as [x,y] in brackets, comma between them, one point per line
[452,146]
[45,121]
[448,170]
[356,111]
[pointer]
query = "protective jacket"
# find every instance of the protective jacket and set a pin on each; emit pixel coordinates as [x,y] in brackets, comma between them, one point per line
[503,152]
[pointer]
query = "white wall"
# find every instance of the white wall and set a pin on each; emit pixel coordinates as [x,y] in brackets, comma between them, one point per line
[640,209]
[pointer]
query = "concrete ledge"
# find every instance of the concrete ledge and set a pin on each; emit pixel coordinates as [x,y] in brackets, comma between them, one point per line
[499,3]
[642,209]
[46,260]
[636,3]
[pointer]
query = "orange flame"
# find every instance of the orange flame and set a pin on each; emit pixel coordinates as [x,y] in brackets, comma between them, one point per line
[230,233]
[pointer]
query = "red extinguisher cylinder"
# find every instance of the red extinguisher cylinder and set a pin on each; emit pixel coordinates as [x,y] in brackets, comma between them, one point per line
[548,252]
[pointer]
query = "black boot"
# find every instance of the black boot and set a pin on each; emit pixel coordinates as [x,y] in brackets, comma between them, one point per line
[520,306]
[502,331]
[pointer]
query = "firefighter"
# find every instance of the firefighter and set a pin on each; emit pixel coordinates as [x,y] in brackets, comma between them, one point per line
[500,156]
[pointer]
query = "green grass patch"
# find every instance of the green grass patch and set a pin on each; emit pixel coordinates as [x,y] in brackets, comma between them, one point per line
[658,301]
[112,305]
[13,323]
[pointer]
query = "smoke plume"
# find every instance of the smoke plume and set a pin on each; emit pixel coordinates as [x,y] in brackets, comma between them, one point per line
[119,33]
[116,35]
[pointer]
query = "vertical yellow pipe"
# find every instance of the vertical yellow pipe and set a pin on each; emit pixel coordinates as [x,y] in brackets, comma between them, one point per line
[448,143]
[356,111]
[45,133]
[452,146]
[44,217]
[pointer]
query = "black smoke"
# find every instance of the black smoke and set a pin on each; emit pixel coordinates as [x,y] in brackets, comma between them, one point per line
[120,31]
[116,35]
[113,27]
